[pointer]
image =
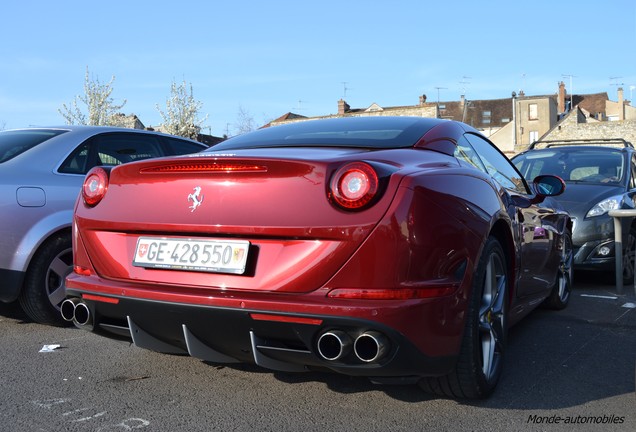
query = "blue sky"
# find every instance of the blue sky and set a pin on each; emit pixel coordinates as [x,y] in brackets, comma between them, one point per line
[269,58]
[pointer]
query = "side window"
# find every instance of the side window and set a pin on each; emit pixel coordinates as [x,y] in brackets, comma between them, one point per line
[78,162]
[467,155]
[179,147]
[530,168]
[497,165]
[119,148]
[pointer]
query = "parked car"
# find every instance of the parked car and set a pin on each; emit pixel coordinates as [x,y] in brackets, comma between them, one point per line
[601,176]
[41,174]
[397,248]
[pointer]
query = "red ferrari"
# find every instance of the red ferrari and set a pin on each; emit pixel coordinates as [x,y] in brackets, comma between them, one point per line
[396,248]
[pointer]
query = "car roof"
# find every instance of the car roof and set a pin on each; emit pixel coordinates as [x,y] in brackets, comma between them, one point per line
[52,151]
[88,130]
[367,132]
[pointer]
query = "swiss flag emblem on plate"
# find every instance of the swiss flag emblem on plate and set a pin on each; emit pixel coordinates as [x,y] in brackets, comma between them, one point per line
[142,249]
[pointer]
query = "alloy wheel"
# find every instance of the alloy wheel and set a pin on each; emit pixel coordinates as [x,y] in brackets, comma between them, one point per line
[60,267]
[492,316]
[566,270]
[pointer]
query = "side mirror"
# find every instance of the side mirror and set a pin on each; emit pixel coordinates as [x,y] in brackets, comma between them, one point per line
[547,185]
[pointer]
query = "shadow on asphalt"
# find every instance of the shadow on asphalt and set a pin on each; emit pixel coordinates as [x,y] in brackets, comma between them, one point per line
[13,311]
[555,359]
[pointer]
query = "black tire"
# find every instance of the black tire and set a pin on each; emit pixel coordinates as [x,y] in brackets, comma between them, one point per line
[44,286]
[562,288]
[481,356]
[629,253]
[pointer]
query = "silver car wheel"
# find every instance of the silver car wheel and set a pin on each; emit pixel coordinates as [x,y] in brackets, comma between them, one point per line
[492,315]
[44,286]
[60,267]
[566,271]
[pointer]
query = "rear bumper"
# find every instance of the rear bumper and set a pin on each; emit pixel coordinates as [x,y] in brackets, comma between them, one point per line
[286,341]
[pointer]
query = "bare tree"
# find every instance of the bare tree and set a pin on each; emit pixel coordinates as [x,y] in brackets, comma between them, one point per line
[244,121]
[182,112]
[99,105]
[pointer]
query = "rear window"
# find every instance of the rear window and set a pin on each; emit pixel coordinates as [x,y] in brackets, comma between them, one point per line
[369,132]
[13,143]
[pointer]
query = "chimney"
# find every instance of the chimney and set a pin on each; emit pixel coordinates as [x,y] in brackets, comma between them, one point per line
[462,101]
[621,104]
[343,107]
[422,99]
[561,97]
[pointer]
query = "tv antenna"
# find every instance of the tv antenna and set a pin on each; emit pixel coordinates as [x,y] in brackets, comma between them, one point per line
[571,89]
[438,89]
[463,82]
[344,89]
[615,79]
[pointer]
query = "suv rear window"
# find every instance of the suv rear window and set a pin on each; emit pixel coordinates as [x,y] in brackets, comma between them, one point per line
[13,143]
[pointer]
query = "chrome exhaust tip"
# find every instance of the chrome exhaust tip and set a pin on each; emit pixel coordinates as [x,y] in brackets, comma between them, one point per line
[67,308]
[82,314]
[370,346]
[333,345]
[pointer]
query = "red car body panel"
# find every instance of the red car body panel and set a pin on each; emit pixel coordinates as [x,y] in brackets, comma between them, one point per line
[422,236]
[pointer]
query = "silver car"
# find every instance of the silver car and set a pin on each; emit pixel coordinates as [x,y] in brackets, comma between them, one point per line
[41,173]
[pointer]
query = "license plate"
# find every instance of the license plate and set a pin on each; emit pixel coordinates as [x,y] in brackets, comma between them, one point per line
[217,256]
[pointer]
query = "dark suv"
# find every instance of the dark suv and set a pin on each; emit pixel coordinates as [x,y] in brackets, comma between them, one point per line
[600,175]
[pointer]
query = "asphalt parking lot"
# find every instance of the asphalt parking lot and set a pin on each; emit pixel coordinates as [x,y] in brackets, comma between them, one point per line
[571,370]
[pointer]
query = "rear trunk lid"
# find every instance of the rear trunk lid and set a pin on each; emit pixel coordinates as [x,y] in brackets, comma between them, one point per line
[277,202]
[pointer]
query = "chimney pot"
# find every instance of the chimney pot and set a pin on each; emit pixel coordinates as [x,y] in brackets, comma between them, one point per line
[343,107]
[561,97]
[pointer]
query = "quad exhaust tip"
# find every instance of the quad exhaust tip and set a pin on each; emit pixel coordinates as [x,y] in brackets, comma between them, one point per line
[368,347]
[333,345]
[67,308]
[75,310]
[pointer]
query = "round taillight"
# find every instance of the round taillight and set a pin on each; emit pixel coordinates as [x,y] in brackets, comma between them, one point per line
[95,186]
[354,185]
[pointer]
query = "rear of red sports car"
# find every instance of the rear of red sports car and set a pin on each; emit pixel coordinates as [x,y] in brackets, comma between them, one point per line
[359,260]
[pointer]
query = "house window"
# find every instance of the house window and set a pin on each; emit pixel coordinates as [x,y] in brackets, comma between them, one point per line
[485,117]
[533,112]
[534,136]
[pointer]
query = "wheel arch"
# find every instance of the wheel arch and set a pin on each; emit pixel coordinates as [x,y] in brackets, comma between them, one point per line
[501,231]
[38,235]
[60,232]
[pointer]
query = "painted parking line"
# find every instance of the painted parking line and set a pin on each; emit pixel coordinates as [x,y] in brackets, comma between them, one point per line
[628,305]
[599,296]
